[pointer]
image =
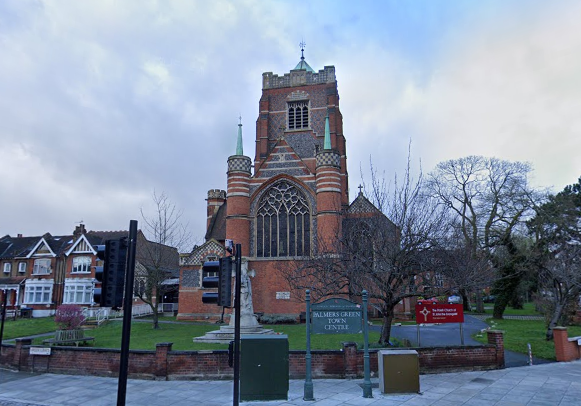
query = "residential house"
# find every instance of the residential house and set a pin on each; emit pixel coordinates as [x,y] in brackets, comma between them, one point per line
[41,273]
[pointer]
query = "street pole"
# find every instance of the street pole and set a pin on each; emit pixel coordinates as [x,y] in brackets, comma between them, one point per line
[418,333]
[4,303]
[308,392]
[127,305]
[238,256]
[367,393]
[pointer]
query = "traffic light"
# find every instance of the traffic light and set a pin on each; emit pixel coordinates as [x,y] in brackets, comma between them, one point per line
[223,282]
[112,273]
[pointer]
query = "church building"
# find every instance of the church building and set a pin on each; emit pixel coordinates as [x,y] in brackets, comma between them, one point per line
[287,204]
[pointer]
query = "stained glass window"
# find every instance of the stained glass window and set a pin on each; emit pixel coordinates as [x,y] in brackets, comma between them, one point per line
[283,222]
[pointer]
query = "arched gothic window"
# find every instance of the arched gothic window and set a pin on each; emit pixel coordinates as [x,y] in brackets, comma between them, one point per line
[283,222]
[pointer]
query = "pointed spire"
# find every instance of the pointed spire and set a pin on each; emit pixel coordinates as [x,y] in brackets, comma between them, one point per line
[327,143]
[303,65]
[239,142]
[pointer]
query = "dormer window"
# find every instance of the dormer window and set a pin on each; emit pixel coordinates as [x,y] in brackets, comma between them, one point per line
[298,115]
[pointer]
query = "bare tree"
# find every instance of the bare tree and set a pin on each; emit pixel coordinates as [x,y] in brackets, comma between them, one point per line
[385,249]
[490,199]
[157,256]
[465,270]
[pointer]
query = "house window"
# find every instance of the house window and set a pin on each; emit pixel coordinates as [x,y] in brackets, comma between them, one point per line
[78,293]
[439,280]
[283,222]
[298,115]
[81,265]
[7,267]
[37,293]
[22,267]
[139,287]
[41,267]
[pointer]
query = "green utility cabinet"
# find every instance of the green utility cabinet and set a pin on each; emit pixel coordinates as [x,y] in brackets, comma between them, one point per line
[263,367]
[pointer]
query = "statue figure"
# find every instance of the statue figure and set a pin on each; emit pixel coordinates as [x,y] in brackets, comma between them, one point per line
[247,317]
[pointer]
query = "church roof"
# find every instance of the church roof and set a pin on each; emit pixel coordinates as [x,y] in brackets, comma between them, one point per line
[362,205]
[303,65]
[217,228]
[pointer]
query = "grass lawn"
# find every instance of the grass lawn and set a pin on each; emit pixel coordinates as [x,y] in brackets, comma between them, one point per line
[528,310]
[28,327]
[143,337]
[517,333]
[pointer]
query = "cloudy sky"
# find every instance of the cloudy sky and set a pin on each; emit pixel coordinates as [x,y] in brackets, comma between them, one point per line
[103,102]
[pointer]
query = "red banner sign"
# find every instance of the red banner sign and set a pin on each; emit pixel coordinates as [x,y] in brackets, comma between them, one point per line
[429,312]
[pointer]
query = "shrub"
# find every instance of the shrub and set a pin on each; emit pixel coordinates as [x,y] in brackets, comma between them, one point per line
[277,319]
[69,317]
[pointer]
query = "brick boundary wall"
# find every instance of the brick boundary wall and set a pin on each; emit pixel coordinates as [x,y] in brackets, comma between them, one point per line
[566,349]
[165,364]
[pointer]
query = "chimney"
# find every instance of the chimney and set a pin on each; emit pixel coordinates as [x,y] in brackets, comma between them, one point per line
[19,236]
[79,230]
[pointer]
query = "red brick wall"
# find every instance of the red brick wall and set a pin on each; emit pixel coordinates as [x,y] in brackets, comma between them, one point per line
[565,350]
[167,364]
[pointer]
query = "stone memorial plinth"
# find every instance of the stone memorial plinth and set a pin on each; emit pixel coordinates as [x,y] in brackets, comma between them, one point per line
[248,322]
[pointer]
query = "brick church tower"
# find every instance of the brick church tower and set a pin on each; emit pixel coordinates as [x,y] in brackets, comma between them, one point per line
[292,203]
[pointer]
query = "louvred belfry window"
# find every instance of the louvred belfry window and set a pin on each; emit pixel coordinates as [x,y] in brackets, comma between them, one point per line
[283,222]
[298,115]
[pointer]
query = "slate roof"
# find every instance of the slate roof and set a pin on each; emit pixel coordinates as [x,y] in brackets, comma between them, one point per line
[217,227]
[17,247]
[105,235]
[20,247]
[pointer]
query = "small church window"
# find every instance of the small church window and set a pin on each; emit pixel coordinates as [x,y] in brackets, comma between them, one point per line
[298,115]
[283,222]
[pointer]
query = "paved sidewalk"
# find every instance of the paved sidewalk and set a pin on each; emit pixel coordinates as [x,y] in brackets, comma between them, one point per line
[540,385]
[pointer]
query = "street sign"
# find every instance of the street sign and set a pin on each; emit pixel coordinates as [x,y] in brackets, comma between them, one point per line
[429,312]
[336,316]
[40,350]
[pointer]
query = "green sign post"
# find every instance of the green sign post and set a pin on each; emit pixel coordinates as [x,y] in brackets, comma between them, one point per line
[336,316]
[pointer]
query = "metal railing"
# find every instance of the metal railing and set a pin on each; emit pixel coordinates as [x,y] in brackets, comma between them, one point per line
[97,314]
[167,307]
[102,314]
[141,310]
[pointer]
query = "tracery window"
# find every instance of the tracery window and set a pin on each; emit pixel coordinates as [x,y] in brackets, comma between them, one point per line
[283,222]
[298,115]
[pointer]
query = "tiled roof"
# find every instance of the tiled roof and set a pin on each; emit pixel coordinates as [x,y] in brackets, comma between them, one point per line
[362,205]
[217,228]
[15,247]
[108,235]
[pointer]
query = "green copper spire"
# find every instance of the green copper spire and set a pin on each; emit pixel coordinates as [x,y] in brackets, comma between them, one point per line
[303,65]
[327,143]
[239,142]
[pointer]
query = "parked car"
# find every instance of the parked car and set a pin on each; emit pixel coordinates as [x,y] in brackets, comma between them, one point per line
[454,299]
[489,299]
